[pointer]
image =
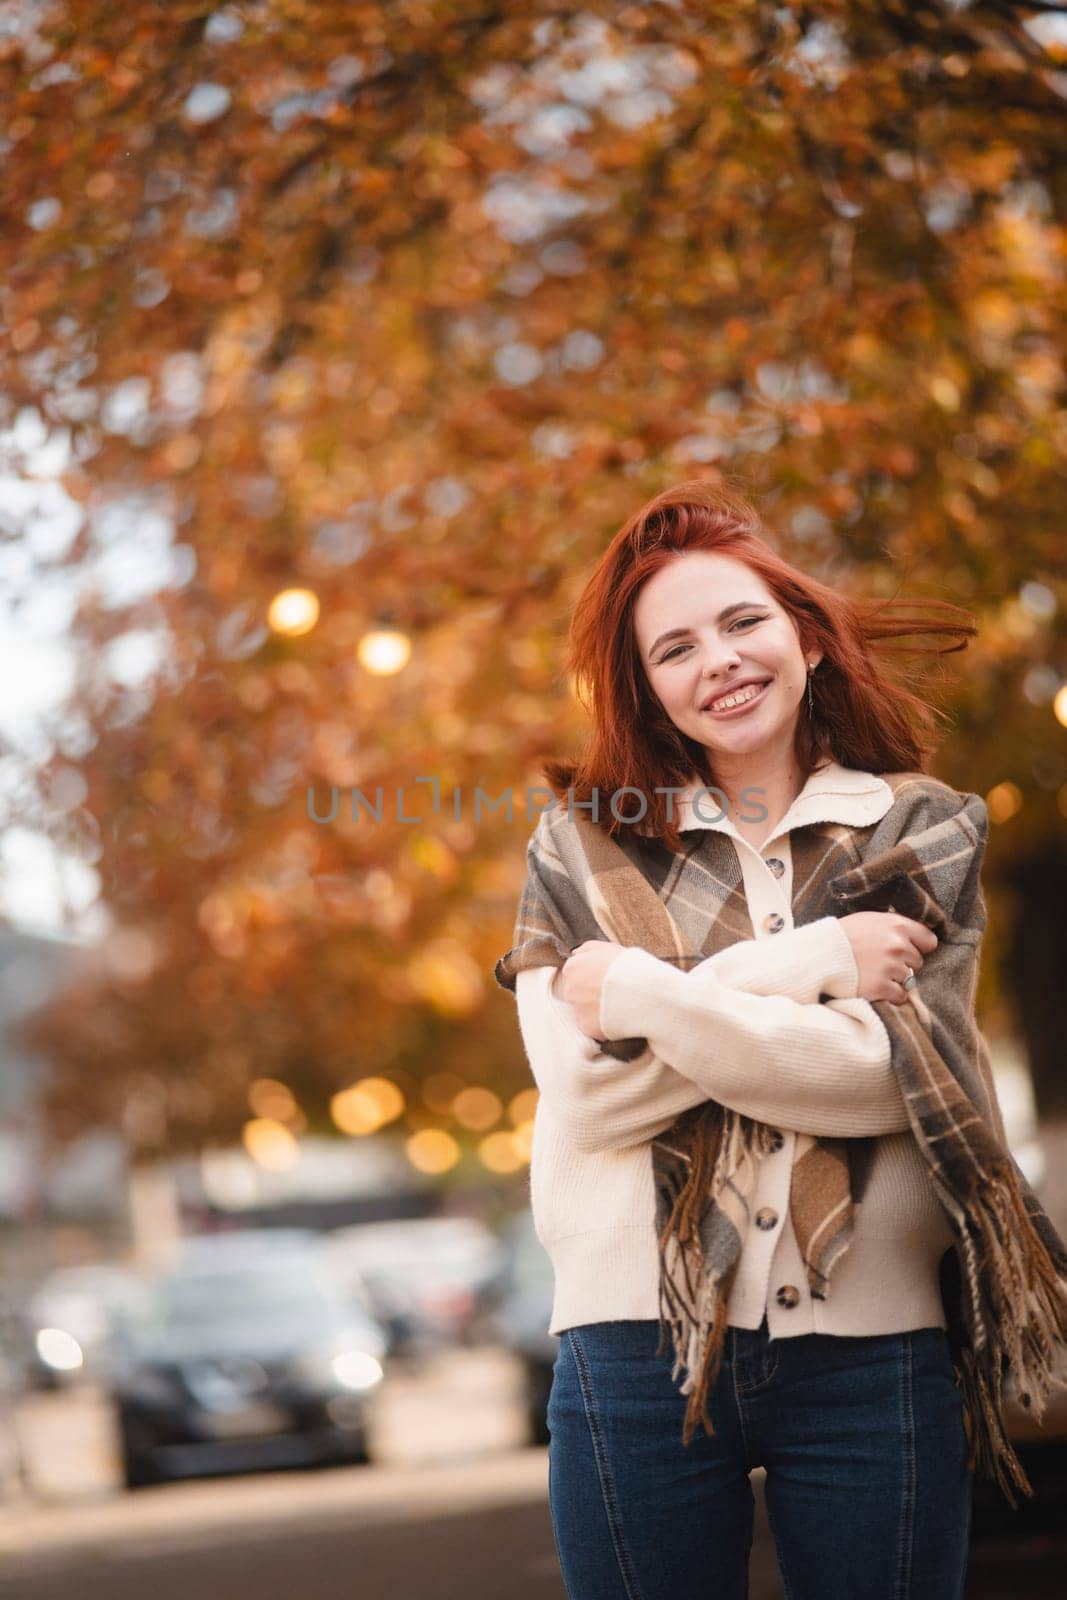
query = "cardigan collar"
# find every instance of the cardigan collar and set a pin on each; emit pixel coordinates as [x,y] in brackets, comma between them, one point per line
[833,793]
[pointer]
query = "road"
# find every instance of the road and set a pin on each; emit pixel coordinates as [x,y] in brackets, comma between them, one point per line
[455,1506]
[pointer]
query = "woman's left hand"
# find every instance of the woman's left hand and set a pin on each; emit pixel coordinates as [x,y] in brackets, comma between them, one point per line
[582,978]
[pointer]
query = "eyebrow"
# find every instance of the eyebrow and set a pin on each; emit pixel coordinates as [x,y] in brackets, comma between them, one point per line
[677,633]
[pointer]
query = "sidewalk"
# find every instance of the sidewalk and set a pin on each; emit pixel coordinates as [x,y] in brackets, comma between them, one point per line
[209,1511]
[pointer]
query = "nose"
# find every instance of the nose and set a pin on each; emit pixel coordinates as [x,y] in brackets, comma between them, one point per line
[719,658]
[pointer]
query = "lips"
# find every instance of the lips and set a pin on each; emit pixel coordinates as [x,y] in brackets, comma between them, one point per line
[735,688]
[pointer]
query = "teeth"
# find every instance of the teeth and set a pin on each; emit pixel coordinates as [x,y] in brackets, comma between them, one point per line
[736,699]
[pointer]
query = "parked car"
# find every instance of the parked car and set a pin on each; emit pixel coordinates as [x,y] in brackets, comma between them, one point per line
[522,1316]
[249,1354]
[431,1278]
[71,1319]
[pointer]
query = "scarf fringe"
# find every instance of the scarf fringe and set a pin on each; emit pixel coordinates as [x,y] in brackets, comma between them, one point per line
[1014,1312]
[1013,1303]
[990,1453]
[692,1300]
[697,1341]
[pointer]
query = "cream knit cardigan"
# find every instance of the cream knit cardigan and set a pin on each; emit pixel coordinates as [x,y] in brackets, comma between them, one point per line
[747,1028]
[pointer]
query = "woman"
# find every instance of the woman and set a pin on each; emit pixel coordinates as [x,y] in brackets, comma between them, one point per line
[745,962]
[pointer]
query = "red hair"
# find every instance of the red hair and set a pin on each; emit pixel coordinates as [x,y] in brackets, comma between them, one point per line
[864,716]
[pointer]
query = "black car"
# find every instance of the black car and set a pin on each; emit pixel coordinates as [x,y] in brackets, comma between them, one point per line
[248,1355]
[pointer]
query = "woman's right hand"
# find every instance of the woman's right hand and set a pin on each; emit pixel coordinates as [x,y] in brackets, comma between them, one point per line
[883,944]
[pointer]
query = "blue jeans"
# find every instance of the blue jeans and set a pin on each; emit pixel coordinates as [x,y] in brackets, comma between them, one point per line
[867,1489]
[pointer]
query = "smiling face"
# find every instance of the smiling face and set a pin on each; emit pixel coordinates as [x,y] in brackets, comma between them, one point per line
[725,631]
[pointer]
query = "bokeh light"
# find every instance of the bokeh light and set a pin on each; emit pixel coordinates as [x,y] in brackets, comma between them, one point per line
[499,1153]
[383,652]
[446,975]
[271,1099]
[270,1144]
[1059,706]
[293,611]
[432,1150]
[522,1139]
[522,1106]
[477,1109]
[366,1106]
[1003,801]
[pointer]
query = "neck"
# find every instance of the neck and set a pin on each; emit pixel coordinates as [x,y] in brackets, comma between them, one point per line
[762,780]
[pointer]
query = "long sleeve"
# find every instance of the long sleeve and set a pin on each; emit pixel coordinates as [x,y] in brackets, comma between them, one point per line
[803,963]
[607,1104]
[601,1103]
[820,1069]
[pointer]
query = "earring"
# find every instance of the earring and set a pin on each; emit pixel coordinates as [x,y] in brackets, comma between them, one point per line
[811,700]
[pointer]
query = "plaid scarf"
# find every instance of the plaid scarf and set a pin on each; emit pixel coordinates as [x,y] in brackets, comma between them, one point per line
[1004,1281]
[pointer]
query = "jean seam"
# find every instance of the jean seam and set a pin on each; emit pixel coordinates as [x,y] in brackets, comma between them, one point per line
[907,1507]
[741,1416]
[760,1383]
[763,1379]
[607,1482]
[552,1450]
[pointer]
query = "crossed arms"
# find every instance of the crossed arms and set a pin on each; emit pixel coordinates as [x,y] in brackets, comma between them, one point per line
[771,1028]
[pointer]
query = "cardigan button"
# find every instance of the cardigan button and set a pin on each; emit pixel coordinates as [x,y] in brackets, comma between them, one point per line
[774,923]
[766,1219]
[776,865]
[788,1297]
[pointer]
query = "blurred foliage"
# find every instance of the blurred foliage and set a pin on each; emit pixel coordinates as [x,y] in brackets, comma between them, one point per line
[410,304]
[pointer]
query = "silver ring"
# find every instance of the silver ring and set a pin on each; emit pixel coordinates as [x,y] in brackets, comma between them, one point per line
[909,981]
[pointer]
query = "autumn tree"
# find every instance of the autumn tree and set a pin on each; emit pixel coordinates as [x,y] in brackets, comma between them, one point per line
[406,306]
